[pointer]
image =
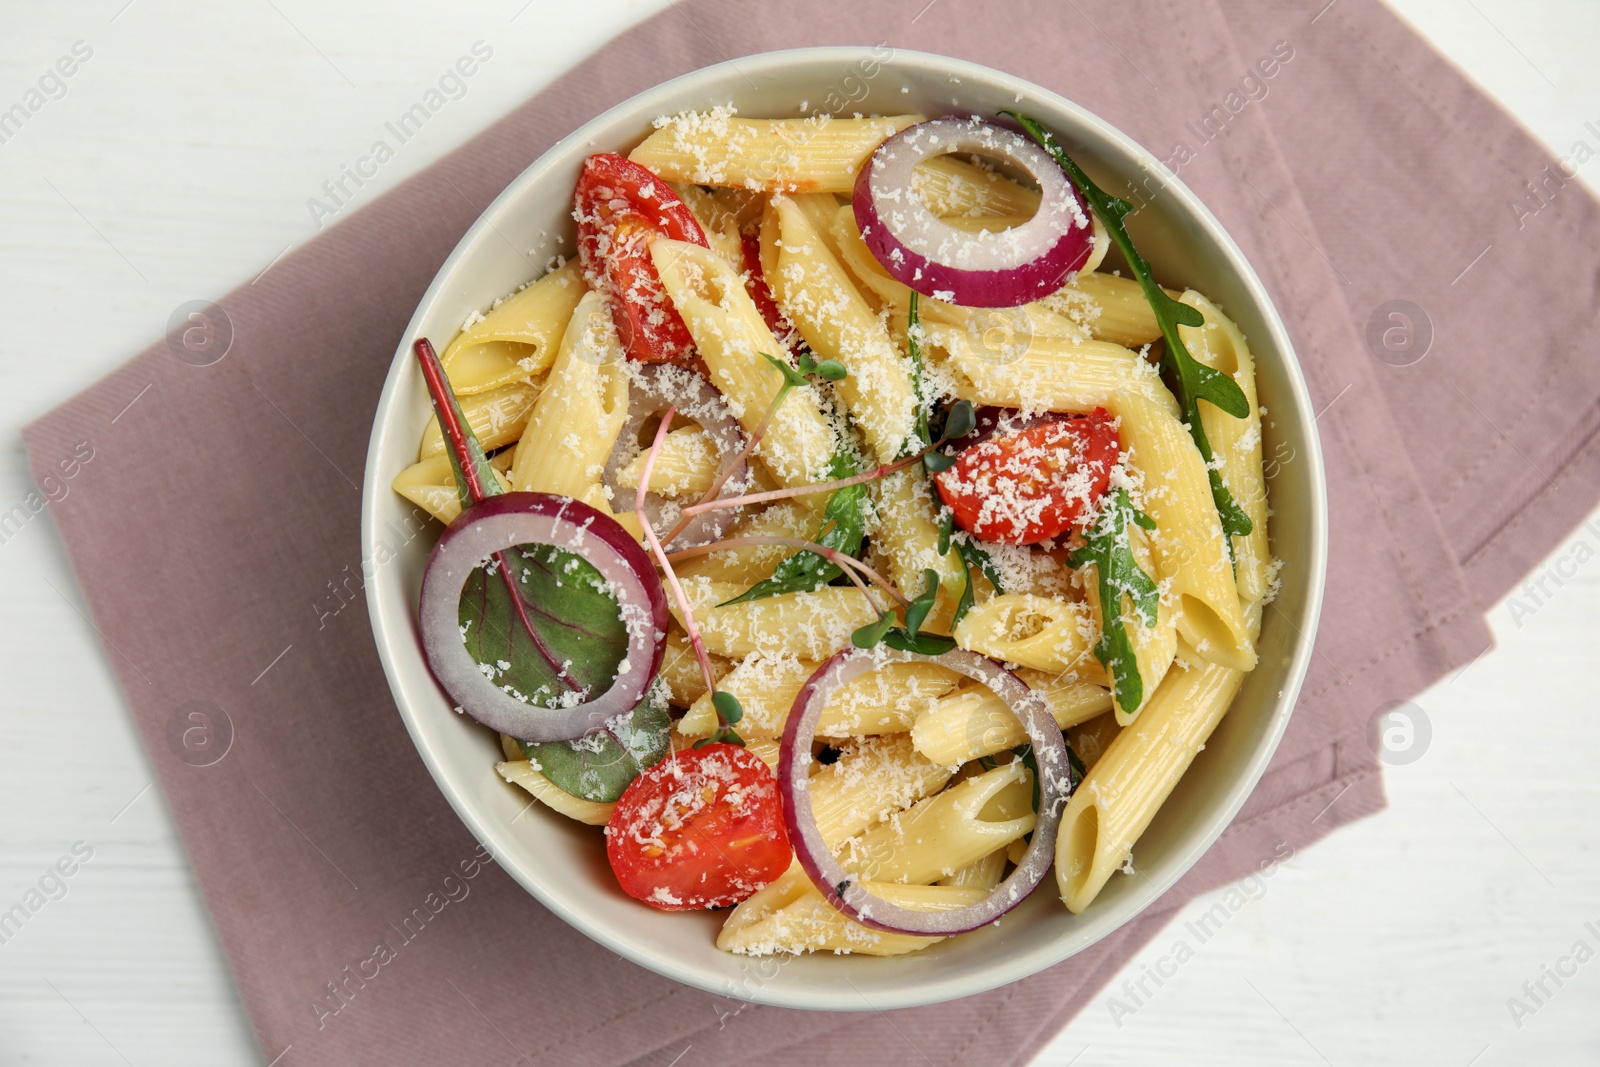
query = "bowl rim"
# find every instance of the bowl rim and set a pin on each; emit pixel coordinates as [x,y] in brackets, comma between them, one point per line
[391,642]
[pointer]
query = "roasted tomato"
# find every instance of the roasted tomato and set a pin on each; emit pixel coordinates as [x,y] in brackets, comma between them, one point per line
[621,207]
[1035,483]
[701,829]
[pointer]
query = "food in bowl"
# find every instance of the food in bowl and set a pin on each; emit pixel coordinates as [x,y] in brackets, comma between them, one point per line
[839,533]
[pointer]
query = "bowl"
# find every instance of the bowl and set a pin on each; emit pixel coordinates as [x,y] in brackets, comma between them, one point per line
[562,863]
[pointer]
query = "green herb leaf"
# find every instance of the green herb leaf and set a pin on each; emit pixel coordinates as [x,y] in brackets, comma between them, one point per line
[791,377]
[600,765]
[844,526]
[729,710]
[972,555]
[947,526]
[918,611]
[1192,380]
[873,633]
[1106,546]
[937,462]
[960,420]
[922,643]
[832,370]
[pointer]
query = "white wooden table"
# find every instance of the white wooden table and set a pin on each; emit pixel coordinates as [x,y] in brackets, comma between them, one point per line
[177,163]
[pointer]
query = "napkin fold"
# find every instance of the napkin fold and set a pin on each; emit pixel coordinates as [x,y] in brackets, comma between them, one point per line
[215,533]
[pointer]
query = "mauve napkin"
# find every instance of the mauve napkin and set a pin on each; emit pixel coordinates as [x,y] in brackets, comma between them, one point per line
[363,925]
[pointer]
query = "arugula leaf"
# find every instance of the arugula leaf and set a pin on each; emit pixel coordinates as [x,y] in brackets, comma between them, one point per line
[844,526]
[972,555]
[599,765]
[1119,574]
[1192,380]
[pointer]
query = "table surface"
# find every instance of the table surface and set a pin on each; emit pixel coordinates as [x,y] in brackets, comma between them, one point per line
[177,165]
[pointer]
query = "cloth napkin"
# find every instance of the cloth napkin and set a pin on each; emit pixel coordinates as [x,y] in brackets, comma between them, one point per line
[215,531]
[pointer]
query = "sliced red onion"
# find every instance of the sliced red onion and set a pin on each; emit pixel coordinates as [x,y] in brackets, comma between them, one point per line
[839,886]
[654,388]
[1005,268]
[500,522]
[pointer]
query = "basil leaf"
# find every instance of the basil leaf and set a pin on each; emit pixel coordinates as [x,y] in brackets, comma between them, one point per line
[1191,380]
[599,765]
[844,525]
[565,605]
[1119,574]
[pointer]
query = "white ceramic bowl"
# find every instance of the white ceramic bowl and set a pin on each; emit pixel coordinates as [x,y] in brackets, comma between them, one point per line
[562,863]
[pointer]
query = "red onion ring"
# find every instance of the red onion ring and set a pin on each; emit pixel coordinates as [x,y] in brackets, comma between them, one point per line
[500,522]
[654,388]
[840,887]
[1001,269]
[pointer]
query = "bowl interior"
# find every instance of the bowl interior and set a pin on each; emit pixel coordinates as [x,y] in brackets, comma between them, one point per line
[563,863]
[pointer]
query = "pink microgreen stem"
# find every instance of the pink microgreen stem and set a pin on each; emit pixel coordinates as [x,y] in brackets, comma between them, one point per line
[690,627]
[880,471]
[745,452]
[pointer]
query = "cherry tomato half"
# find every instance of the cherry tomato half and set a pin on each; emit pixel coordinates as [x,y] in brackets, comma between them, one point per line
[1034,484]
[701,829]
[621,207]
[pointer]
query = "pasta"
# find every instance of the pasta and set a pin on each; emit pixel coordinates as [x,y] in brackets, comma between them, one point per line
[1136,773]
[933,462]
[816,155]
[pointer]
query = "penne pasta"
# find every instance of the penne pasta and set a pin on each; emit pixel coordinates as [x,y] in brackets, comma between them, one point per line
[873,778]
[575,421]
[813,155]
[973,722]
[686,465]
[811,625]
[938,836]
[1134,776]
[905,532]
[1046,634]
[431,485]
[680,669]
[1112,308]
[790,915]
[1236,443]
[731,336]
[1050,374]
[885,701]
[1187,544]
[816,294]
[517,341]
[520,772]
[497,417]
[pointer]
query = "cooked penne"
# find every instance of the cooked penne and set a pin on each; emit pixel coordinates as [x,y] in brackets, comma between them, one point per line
[790,915]
[431,485]
[681,670]
[520,772]
[1044,633]
[686,465]
[575,421]
[883,702]
[938,836]
[1187,543]
[813,155]
[1089,740]
[1236,443]
[972,722]
[873,779]
[811,625]
[1112,308]
[817,295]
[518,340]
[497,416]
[1049,374]
[982,874]
[1134,776]
[731,337]
[748,565]
[905,531]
